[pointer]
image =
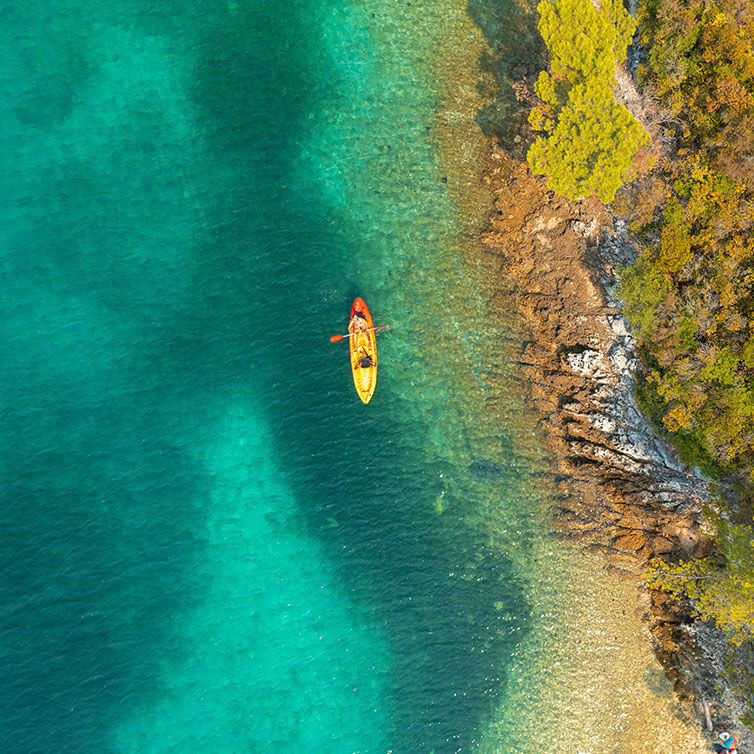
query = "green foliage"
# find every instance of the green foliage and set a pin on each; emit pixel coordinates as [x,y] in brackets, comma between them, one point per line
[721,369]
[592,146]
[687,330]
[675,245]
[700,62]
[720,590]
[550,90]
[584,43]
[748,353]
[590,141]
[644,288]
[688,442]
[691,296]
[691,292]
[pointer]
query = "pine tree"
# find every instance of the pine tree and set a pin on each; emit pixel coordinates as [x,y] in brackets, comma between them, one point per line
[592,146]
[589,140]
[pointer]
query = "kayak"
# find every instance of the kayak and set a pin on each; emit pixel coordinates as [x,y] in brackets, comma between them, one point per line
[363,344]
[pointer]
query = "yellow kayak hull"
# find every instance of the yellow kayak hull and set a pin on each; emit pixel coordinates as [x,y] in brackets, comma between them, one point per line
[363,344]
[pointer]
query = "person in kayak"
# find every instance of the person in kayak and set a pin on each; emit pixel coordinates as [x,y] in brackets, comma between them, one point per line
[358,322]
[365,360]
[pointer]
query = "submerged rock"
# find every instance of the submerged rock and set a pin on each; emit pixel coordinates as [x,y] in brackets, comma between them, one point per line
[483,470]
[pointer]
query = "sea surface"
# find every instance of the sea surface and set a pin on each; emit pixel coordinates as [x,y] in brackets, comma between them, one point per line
[208,544]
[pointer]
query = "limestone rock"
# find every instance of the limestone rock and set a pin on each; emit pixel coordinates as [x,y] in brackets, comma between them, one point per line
[619,485]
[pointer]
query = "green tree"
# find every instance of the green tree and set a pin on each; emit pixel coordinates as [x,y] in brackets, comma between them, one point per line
[589,141]
[721,588]
[584,42]
[644,289]
[592,146]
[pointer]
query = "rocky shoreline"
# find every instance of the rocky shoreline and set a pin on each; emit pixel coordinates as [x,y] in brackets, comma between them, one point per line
[619,485]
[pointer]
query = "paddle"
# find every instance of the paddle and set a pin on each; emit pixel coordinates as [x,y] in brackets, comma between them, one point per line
[336,338]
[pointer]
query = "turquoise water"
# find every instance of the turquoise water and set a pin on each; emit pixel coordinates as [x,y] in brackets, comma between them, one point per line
[208,543]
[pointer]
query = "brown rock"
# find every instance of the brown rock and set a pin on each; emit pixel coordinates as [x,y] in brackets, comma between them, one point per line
[661,545]
[704,547]
[688,539]
[631,542]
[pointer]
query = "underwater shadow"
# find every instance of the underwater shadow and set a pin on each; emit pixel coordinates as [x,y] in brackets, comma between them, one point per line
[446,604]
[516,52]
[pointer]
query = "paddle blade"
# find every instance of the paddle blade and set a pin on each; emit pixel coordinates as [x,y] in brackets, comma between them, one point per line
[336,338]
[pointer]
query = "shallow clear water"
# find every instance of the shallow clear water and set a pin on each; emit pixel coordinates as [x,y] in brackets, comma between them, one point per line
[209,543]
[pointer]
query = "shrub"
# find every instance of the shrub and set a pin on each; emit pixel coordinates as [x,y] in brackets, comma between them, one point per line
[720,590]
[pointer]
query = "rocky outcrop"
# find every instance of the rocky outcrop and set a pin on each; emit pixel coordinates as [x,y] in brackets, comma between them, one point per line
[618,480]
[619,484]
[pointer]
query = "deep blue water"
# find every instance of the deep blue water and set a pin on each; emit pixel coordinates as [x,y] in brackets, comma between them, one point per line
[208,543]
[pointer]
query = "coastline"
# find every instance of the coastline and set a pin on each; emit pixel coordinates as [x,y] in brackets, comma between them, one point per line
[509,272]
[620,487]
